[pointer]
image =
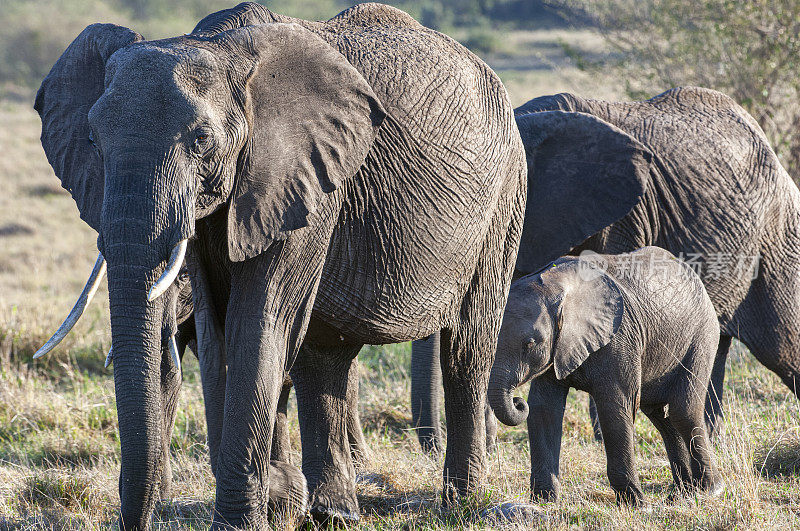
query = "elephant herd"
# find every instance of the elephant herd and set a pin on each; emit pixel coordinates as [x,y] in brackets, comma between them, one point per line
[277,193]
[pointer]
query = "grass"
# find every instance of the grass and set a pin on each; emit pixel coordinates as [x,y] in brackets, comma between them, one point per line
[59,446]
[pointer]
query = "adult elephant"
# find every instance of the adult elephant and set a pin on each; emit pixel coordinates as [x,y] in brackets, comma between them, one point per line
[717,196]
[346,167]
[359,180]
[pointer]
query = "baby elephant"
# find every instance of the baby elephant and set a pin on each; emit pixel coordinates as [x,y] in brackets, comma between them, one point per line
[634,330]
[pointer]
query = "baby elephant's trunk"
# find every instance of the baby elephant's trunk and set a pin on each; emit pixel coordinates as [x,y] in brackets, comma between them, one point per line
[509,409]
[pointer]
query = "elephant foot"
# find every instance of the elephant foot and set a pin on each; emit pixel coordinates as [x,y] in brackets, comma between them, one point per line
[429,440]
[630,495]
[546,494]
[547,491]
[513,513]
[334,506]
[715,489]
[288,493]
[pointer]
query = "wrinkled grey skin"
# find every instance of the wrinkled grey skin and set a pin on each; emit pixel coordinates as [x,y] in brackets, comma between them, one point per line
[715,188]
[642,336]
[212,362]
[365,168]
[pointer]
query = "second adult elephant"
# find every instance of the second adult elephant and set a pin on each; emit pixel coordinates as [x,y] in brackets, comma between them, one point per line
[717,195]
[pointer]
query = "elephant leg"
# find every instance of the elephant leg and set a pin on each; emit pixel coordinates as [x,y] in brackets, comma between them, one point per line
[170,388]
[595,420]
[359,450]
[271,298]
[713,408]
[468,349]
[280,435]
[546,403]
[491,429]
[767,320]
[426,383]
[688,420]
[677,451]
[210,338]
[322,376]
[616,420]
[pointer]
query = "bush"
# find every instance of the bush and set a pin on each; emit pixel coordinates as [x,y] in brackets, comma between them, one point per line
[748,50]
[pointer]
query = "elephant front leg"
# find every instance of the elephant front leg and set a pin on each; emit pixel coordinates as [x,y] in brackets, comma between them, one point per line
[322,377]
[546,402]
[170,388]
[713,407]
[616,421]
[359,449]
[280,435]
[270,303]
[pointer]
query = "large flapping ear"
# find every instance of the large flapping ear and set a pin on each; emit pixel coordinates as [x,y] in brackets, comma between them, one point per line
[312,118]
[583,175]
[73,85]
[589,313]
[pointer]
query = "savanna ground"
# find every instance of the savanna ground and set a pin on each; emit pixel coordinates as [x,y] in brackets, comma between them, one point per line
[59,445]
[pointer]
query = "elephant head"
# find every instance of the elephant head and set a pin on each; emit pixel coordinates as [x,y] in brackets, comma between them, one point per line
[555,318]
[257,124]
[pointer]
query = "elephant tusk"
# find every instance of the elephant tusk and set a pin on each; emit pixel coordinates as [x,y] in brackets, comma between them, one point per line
[170,273]
[173,351]
[109,357]
[85,297]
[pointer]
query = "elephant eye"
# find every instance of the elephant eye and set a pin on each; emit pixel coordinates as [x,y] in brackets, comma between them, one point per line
[91,138]
[202,141]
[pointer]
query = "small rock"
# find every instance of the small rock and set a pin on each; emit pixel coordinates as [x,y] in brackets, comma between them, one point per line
[511,512]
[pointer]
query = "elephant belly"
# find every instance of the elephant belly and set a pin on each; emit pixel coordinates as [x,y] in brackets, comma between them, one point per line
[402,256]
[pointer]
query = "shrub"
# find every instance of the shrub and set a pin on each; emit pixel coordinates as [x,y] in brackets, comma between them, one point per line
[748,50]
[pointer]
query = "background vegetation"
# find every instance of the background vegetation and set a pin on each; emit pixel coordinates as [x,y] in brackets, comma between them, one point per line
[59,448]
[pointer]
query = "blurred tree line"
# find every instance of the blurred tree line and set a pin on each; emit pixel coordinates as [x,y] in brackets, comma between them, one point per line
[33,33]
[749,50]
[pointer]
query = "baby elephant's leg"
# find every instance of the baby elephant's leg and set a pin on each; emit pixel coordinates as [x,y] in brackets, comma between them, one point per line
[546,402]
[677,451]
[689,421]
[616,421]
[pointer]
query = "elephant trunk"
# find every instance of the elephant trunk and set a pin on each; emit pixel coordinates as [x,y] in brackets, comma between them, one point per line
[509,409]
[137,341]
[143,220]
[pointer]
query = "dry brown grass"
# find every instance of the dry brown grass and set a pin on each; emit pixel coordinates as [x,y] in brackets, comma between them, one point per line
[59,449]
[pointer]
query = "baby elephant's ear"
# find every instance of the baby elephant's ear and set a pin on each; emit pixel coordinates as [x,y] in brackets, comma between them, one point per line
[583,175]
[589,313]
[312,119]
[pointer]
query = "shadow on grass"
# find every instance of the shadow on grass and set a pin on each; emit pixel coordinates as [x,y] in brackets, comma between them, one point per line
[782,460]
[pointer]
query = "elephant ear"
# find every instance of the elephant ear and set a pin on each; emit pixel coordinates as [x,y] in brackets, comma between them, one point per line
[583,175]
[71,88]
[589,313]
[312,118]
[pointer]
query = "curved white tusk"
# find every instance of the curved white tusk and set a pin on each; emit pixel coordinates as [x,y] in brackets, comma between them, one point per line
[173,351]
[110,357]
[85,297]
[170,273]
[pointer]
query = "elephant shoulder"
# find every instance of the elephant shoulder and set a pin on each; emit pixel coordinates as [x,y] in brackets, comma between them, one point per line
[244,14]
[374,14]
[694,97]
